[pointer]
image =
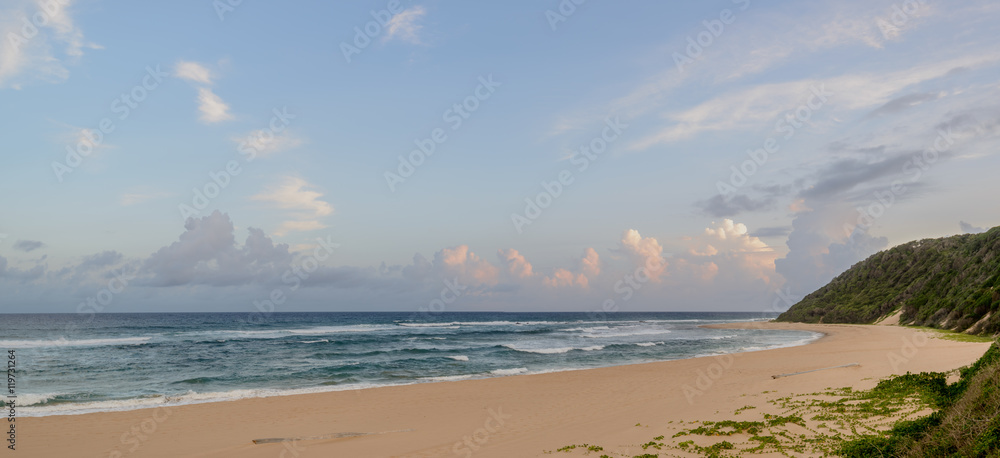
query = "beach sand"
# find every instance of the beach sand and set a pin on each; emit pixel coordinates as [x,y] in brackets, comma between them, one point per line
[517,416]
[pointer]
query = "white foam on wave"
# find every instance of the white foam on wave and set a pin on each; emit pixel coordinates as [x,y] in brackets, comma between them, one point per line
[638,332]
[552,351]
[191,397]
[459,358]
[721,337]
[320,330]
[514,371]
[281,333]
[314,341]
[447,378]
[28,399]
[63,342]
[650,344]
[592,329]
[478,323]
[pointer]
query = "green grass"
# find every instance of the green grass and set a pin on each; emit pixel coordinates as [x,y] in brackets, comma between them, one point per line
[966,425]
[952,335]
[889,420]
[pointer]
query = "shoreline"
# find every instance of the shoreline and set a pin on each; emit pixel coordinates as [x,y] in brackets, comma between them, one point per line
[522,415]
[154,402]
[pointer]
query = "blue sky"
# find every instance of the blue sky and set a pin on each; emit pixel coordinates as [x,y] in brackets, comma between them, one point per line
[880,117]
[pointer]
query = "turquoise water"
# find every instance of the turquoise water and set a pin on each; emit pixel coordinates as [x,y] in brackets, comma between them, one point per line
[71,364]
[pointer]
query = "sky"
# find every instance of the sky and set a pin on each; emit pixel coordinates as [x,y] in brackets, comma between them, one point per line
[429,156]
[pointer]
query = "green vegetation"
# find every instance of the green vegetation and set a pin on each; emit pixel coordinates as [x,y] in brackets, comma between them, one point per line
[947,283]
[889,420]
[587,447]
[968,425]
[956,336]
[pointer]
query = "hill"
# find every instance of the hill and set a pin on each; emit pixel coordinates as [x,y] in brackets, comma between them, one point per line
[948,283]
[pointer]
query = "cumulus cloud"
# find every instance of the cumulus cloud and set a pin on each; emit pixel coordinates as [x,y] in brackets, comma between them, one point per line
[728,248]
[645,252]
[458,263]
[735,274]
[588,269]
[562,277]
[28,246]
[305,205]
[970,229]
[207,254]
[12,273]
[819,249]
[404,26]
[590,264]
[466,265]
[514,264]
[211,107]
[193,71]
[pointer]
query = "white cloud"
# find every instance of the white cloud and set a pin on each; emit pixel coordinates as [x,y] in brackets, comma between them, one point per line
[33,32]
[759,105]
[563,278]
[514,264]
[304,204]
[404,27]
[211,106]
[645,252]
[193,71]
[265,142]
[589,268]
[206,253]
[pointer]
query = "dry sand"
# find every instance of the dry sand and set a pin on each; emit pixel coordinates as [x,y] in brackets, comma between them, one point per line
[518,416]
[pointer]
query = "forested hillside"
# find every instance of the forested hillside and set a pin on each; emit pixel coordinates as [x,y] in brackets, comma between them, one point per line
[950,283]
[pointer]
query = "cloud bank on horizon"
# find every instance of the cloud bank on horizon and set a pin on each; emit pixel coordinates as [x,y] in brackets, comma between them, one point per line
[758,151]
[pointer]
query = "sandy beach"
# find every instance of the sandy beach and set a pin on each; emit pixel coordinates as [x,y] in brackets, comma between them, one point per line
[517,416]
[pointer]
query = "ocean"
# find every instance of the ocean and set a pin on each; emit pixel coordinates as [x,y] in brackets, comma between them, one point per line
[73,364]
